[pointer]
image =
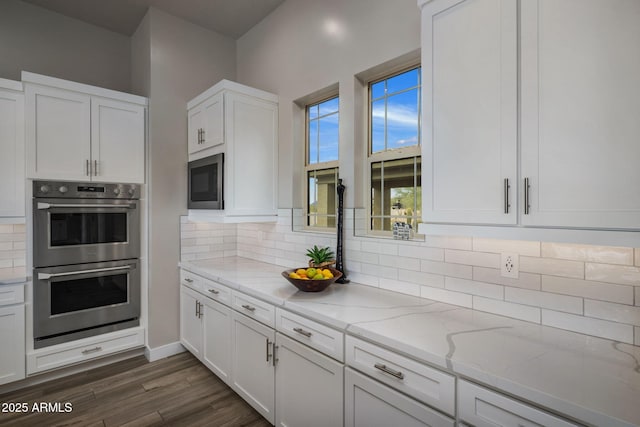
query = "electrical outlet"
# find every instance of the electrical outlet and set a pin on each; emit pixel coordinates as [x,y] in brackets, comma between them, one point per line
[509,265]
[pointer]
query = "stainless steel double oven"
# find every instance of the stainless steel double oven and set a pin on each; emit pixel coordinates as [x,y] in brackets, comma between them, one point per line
[86,249]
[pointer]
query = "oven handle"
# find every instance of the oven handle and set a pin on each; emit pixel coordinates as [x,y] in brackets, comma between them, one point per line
[47,276]
[85,205]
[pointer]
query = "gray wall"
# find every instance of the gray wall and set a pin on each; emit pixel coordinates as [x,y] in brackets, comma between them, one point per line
[184,60]
[37,40]
[307,45]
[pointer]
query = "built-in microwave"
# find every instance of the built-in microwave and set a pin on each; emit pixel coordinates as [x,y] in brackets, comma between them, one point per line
[206,183]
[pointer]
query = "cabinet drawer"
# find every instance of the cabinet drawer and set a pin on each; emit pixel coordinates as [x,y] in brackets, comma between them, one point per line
[370,403]
[419,381]
[322,338]
[482,407]
[191,280]
[11,294]
[216,291]
[82,350]
[254,308]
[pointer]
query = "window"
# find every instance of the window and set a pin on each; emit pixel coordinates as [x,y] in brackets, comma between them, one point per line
[321,167]
[394,151]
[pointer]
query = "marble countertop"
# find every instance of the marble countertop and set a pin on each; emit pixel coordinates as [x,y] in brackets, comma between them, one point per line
[13,275]
[592,380]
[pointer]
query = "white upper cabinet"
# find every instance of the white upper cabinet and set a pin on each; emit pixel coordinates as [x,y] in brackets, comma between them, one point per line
[571,97]
[580,108]
[242,123]
[469,128]
[12,178]
[80,132]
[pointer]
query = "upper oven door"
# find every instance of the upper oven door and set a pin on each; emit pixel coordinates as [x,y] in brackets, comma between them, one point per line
[75,231]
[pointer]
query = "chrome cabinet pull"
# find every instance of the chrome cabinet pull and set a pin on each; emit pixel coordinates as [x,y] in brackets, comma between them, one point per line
[275,353]
[188,280]
[213,291]
[92,350]
[88,168]
[95,167]
[248,307]
[389,371]
[203,137]
[526,196]
[267,350]
[507,205]
[303,332]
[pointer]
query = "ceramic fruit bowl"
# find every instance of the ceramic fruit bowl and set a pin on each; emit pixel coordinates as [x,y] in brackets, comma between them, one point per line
[311,285]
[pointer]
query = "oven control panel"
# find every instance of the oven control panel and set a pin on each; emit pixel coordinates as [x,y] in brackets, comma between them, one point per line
[91,190]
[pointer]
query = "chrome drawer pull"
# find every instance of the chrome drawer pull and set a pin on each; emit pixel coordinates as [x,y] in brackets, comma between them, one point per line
[248,307]
[303,332]
[188,280]
[92,350]
[213,291]
[389,371]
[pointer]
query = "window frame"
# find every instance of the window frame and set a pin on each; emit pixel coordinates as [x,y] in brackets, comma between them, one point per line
[414,151]
[320,166]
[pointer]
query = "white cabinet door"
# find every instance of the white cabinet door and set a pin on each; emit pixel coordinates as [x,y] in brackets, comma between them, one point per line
[251,153]
[469,126]
[252,355]
[213,111]
[484,408]
[195,125]
[309,386]
[371,404]
[12,176]
[12,336]
[190,321]
[58,132]
[217,339]
[580,104]
[117,141]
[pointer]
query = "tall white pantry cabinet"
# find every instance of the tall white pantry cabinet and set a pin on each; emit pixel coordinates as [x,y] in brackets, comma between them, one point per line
[530,113]
[12,201]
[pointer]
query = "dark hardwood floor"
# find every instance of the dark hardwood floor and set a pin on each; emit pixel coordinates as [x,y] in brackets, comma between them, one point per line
[177,391]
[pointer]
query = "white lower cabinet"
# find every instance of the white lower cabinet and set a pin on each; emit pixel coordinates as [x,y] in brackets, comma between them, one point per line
[12,333]
[216,348]
[485,408]
[252,345]
[190,321]
[309,386]
[369,403]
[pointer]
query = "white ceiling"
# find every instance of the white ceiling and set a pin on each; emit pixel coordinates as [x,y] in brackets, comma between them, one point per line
[232,18]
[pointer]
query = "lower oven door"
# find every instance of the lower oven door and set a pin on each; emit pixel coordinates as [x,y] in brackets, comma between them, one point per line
[76,301]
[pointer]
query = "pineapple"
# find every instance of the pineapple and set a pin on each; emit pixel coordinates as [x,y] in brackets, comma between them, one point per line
[320,257]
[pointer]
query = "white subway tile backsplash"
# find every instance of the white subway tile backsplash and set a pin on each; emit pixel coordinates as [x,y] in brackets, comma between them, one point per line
[433,254]
[518,246]
[480,259]
[448,242]
[6,263]
[401,287]
[593,290]
[588,289]
[492,275]
[446,269]
[6,246]
[588,326]
[602,254]
[6,228]
[516,311]
[620,313]
[622,275]
[450,297]
[475,288]
[400,262]
[552,267]
[421,278]
[548,300]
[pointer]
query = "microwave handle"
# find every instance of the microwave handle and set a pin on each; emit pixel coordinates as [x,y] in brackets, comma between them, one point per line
[47,276]
[84,205]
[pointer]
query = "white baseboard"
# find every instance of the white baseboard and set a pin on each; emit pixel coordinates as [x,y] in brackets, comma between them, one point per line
[153,354]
